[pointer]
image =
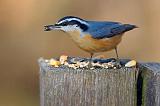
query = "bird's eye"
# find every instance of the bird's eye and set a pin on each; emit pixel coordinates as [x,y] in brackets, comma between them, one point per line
[64,23]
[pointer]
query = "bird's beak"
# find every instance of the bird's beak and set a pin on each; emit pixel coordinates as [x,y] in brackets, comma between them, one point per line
[50,27]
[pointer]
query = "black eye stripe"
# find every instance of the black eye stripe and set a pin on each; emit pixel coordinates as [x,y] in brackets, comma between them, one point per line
[73,22]
[84,27]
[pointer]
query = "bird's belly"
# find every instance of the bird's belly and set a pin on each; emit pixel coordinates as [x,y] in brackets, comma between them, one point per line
[92,45]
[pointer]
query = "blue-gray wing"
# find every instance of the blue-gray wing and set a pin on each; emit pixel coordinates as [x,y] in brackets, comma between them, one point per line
[100,30]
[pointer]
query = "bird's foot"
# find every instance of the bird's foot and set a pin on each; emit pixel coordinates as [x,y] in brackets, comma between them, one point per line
[117,63]
[90,64]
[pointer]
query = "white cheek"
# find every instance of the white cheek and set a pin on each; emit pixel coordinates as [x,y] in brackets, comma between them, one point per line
[67,28]
[70,28]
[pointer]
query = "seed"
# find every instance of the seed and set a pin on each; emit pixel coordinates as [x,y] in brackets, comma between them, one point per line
[131,63]
[54,63]
[63,59]
[46,61]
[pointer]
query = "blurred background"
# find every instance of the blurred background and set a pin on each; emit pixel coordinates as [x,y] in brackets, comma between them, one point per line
[23,41]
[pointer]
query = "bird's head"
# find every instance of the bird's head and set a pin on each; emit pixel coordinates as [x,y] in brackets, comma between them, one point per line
[68,23]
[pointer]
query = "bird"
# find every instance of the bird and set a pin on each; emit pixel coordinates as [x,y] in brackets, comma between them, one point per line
[92,36]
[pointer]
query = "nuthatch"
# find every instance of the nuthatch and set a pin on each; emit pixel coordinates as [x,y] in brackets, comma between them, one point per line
[92,36]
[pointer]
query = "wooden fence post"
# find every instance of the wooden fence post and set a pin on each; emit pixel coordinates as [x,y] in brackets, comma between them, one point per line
[82,87]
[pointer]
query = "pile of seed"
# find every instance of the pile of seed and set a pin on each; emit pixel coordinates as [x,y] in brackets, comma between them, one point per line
[76,62]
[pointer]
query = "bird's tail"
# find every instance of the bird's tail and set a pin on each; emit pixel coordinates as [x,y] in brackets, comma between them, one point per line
[129,27]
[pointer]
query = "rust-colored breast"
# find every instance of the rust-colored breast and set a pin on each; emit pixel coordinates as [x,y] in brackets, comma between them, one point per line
[92,45]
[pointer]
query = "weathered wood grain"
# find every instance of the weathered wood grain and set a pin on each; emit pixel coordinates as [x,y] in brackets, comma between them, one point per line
[82,87]
[150,73]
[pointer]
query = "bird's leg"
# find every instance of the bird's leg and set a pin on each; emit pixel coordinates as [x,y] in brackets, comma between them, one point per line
[90,60]
[117,57]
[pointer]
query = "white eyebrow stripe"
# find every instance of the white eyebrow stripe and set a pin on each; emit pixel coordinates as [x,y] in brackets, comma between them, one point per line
[83,22]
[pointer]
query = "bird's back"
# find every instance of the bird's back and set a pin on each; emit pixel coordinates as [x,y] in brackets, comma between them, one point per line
[106,29]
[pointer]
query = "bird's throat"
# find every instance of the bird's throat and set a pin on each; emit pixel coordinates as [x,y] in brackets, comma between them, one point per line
[75,35]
